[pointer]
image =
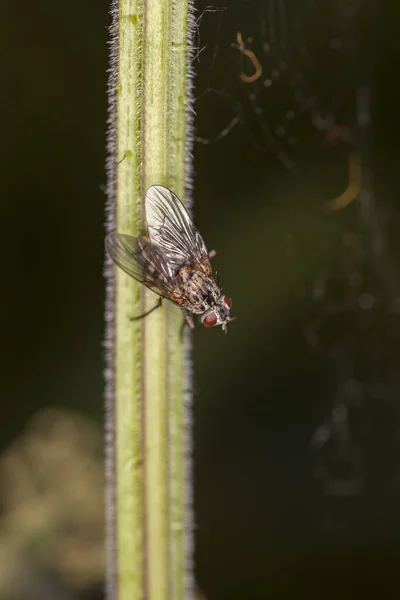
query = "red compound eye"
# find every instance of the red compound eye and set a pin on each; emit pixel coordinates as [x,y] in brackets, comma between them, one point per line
[210,320]
[228,301]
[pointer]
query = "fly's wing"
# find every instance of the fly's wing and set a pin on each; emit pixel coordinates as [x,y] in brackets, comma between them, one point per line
[171,228]
[142,260]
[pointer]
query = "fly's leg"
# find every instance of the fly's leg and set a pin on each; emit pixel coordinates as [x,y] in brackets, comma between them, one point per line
[188,321]
[148,311]
[211,254]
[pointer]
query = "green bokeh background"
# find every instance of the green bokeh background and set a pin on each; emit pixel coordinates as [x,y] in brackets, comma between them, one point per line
[265,526]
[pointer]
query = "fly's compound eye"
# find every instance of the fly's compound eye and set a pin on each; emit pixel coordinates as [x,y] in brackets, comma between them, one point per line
[210,320]
[228,301]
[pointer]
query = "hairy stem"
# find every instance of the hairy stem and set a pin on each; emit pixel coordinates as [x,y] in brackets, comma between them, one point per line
[148,374]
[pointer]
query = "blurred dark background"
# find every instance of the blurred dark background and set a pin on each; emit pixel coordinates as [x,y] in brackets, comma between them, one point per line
[297,411]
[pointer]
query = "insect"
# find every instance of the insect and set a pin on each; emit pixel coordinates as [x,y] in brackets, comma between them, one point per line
[172,260]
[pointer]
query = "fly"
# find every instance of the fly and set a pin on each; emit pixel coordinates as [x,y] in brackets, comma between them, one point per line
[172,260]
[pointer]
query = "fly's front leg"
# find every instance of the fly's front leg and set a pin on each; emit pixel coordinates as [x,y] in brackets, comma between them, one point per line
[211,254]
[188,321]
[148,311]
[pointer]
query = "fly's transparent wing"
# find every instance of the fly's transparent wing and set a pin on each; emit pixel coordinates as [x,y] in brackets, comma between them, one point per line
[171,228]
[142,260]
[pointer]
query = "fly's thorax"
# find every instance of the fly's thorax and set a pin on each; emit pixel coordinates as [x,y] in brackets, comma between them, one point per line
[201,292]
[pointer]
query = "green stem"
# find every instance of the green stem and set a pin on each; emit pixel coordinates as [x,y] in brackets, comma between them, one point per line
[148,537]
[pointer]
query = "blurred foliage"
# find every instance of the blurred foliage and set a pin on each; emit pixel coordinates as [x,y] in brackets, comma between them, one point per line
[52,520]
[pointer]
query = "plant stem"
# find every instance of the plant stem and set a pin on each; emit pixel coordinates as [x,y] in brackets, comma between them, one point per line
[148,551]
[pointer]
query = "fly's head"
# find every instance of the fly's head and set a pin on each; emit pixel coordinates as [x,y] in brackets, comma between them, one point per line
[218,314]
